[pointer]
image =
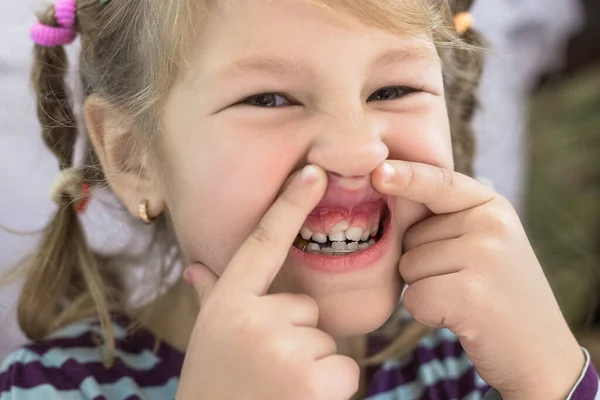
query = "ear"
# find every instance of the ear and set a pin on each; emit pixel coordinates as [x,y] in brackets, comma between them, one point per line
[123,159]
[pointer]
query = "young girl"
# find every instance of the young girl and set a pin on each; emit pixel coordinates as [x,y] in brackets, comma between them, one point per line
[301,153]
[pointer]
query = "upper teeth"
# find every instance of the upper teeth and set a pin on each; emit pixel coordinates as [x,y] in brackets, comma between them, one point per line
[340,232]
[354,234]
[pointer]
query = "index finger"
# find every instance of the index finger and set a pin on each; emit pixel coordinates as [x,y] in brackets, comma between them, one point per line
[443,191]
[261,256]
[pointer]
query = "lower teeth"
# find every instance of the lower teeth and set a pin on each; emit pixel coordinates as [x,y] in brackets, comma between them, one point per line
[338,248]
[334,248]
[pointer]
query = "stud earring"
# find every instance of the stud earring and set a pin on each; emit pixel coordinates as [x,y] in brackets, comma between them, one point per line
[144,212]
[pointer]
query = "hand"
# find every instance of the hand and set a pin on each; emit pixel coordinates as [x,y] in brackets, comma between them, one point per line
[250,345]
[470,268]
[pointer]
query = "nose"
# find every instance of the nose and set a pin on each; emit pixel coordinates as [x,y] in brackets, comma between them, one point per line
[348,146]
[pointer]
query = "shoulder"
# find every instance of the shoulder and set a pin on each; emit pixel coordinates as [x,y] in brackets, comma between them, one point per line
[69,364]
[438,368]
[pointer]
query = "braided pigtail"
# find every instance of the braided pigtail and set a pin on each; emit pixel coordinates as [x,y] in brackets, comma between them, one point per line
[64,271]
[464,64]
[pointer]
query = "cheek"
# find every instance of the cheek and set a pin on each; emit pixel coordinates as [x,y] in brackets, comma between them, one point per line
[422,137]
[217,189]
[419,137]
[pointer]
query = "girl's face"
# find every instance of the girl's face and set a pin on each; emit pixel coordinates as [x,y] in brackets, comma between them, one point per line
[274,85]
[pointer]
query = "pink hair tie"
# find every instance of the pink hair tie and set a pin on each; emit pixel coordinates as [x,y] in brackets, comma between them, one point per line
[65,33]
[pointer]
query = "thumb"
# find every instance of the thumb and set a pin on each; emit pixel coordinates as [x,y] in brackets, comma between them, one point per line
[202,279]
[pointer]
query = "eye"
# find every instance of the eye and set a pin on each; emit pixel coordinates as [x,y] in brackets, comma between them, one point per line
[267,100]
[391,93]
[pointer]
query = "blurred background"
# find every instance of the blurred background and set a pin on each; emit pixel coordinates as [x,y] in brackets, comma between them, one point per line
[538,143]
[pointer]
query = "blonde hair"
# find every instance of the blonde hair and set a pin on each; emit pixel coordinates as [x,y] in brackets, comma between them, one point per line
[131,53]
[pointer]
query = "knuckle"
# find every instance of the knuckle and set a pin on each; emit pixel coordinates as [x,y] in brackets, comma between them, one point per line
[312,390]
[490,246]
[352,374]
[411,303]
[283,348]
[291,202]
[405,266]
[447,179]
[308,304]
[409,176]
[474,290]
[261,234]
[495,220]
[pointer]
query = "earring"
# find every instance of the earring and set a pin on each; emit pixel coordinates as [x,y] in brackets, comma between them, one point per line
[143,212]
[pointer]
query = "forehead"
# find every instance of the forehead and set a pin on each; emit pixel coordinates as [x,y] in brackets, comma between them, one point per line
[289,34]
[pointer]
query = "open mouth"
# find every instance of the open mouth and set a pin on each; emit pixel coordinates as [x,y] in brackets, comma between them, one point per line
[349,235]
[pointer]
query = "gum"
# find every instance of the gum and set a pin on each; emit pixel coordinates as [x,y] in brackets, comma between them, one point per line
[322,220]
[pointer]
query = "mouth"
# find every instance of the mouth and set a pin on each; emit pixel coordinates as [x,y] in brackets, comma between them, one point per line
[347,235]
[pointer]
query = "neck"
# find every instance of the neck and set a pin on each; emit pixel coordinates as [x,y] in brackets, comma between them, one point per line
[171,317]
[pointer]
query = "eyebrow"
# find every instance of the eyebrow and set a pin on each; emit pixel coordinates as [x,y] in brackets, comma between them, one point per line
[283,66]
[413,55]
[265,65]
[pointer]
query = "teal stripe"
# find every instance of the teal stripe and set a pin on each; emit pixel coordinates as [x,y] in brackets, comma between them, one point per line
[143,361]
[474,395]
[126,387]
[89,389]
[429,374]
[45,392]
[79,328]
[429,342]
[20,355]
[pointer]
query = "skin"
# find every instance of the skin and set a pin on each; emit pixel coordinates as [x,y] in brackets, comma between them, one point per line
[224,164]
[223,169]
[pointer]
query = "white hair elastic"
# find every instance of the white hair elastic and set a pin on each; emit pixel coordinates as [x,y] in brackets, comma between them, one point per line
[69,181]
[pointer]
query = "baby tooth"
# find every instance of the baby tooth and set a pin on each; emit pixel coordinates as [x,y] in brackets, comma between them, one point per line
[319,238]
[306,233]
[365,237]
[363,246]
[354,234]
[313,247]
[339,227]
[374,230]
[338,245]
[337,237]
[327,250]
[353,246]
[371,242]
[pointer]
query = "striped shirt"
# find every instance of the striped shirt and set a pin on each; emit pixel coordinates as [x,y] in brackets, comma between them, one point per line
[68,366]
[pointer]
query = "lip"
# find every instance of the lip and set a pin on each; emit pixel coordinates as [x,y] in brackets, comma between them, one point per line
[354,262]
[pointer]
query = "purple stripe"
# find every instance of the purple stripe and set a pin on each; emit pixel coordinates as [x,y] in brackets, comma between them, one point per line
[387,380]
[588,387]
[136,343]
[443,390]
[129,345]
[41,348]
[71,374]
[454,389]
[30,375]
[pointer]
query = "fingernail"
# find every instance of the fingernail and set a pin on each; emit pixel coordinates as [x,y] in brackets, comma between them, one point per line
[388,172]
[309,174]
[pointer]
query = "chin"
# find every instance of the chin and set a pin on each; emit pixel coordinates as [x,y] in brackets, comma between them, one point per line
[358,312]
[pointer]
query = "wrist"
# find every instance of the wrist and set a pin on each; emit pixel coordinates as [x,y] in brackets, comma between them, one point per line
[554,383]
